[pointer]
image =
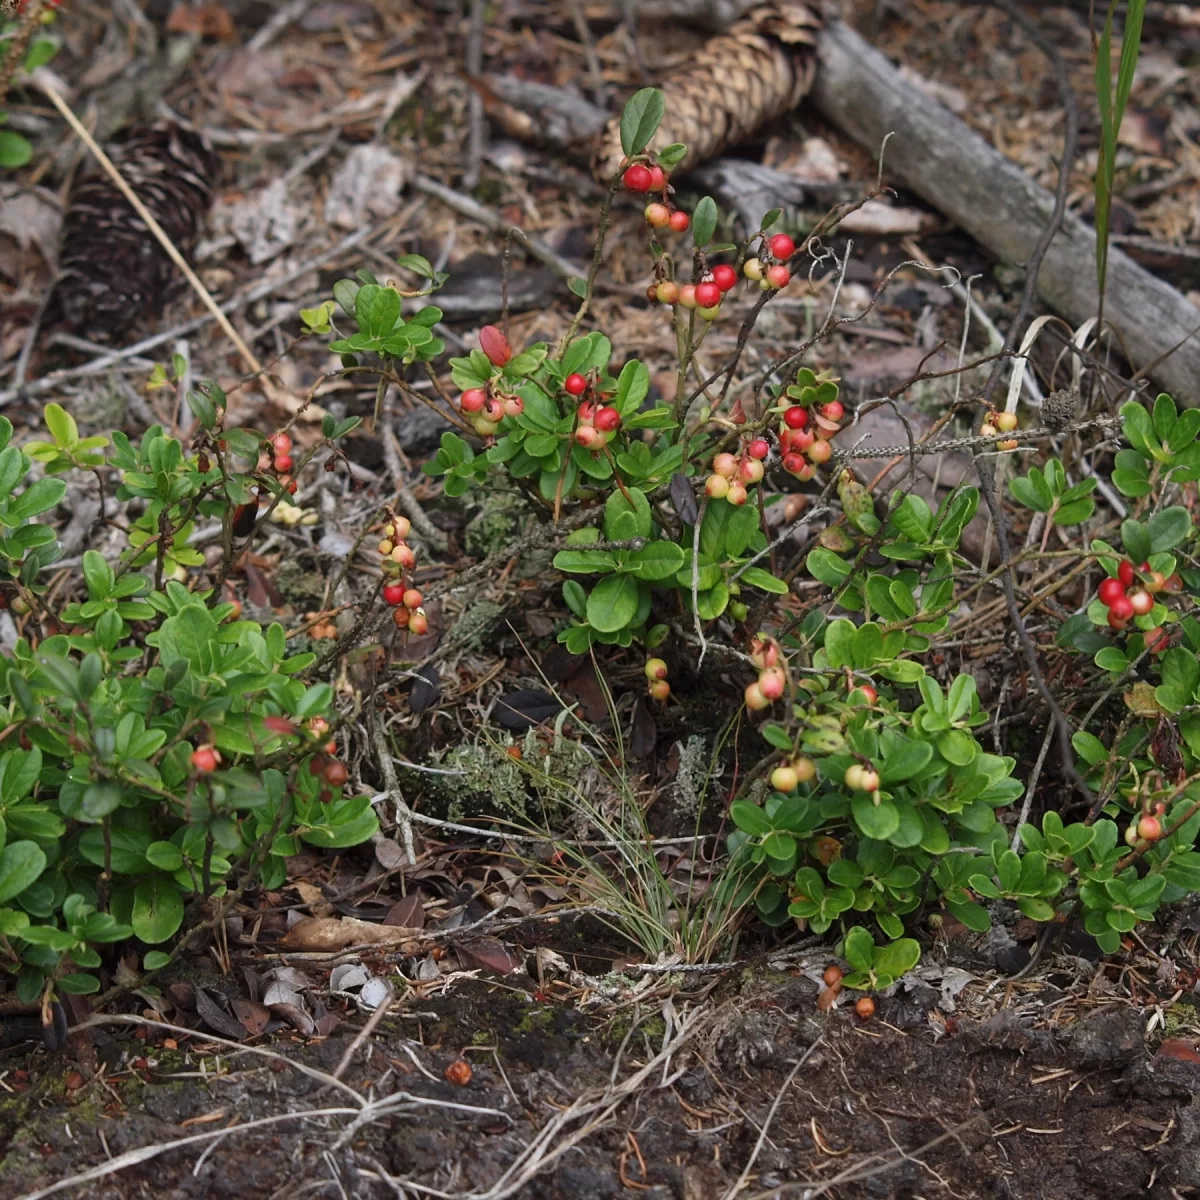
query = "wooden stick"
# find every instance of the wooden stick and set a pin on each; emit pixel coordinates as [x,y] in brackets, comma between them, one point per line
[963,176]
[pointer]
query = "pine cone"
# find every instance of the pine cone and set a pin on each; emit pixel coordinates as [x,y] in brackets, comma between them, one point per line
[757,70]
[1059,408]
[113,274]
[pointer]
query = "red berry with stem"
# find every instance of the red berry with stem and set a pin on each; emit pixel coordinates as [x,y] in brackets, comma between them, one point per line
[782,246]
[1150,828]
[772,683]
[820,451]
[1110,591]
[1173,584]
[514,406]
[759,448]
[575,385]
[282,443]
[795,417]
[658,179]
[417,623]
[833,411]
[724,276]
[205,759]
[659,690]
[394,594]
[412,598]
[473,400]
[778,276]
[725,464]
[588,436]
[667,292]
[679,221]
[283,463]
[794,463]
[607,419]
[1142,602]
[638,178]
[737,494]
[750,470]
[658,216]
[708,294]
[401,616]
[869,693]
[336,773]
[1125,573]
[1121,609]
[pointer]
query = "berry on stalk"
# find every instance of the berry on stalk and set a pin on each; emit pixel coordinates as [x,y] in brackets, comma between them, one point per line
[717,487]
[772,683]
[755,700]
[708,294]
[820,451]
[782,246]
[687,295]
[778,276]
[658,179]
[709,314]
[795,417]
[1110,591]
[667,292]
[759,448]
[752,269]
[794,463]
[680,221]
[655,668]
[575,385]
[1142,602]
[394,594]
[495,345]
[1125,573]
[783,779]
[205,759]
[833,411]
[1149,828]
[659,689]
[1121,609]
[412,598]
[737,494]
[638,178]
[607,419]
[1006,422]
[417,623]
[750,470]
[658,216]
[514,406]
[282,443]
[725,464]
[724,276]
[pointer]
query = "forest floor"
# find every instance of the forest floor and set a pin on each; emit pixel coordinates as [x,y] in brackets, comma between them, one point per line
[592,1070]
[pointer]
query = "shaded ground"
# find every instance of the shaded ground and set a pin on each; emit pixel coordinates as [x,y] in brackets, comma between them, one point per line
[1052,1095]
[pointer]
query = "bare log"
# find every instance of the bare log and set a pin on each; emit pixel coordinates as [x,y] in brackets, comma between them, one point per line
[963,176]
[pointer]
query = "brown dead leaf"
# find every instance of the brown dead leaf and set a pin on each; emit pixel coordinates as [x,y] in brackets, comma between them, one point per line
[330,934]
[492,954]
[209,21]
[1178,1048]
[408,913]
[253,1015]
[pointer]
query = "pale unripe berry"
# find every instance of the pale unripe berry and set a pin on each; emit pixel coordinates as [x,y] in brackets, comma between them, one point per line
[717,486]
[588,436]
[417,623]
[404,556]
[658,216]
[737,493]
[655,668]
[820,451]
[667,292]
[1006,422]
[484,427]
[709,314]
[870,780]
[399,529]
[1150,828]
[687,295]
[784,779]
[755,700]
[853,777]
[725,464]
[514,406]
[805,768]
[752,269]
[659,689]
[751,470]
[772,683]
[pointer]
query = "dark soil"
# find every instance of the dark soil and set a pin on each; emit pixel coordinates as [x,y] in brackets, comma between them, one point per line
[1044,1098]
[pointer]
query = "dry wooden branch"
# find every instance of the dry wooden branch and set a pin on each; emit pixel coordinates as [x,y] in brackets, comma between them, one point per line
[993,200]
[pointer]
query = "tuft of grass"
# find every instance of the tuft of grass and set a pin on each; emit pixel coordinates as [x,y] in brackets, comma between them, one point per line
[1112,112]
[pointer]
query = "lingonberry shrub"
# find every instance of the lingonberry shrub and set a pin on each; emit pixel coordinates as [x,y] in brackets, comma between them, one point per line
[157,747]
[877,796]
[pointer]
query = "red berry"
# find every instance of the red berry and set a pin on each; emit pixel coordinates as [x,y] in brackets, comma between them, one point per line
[638,178]
[394,594]
[658,216]
[794,463]
[495,345]
[708,294]
[473,400]
[1125,572]
[778,276]
[282,443]
[412,598]
[1112,590]
[291,485]
[724,276]
[607,419]
[832,975]
[205,759]
[869,692]
[759,448]
[283,462]
[820,451]
[1150,828]
[833,411]
[680,221]
[1142,602]
[336,773]
[795,417]
[514,406]
[1173,584]
[575,385]
[782,246]
[401,617]
[1121,609]
[417,624]
[658,179]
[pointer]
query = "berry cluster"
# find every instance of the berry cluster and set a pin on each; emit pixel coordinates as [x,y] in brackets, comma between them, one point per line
[597,421]
[487,407]
[400,594]
[861,779]
[733,473]
[656,673]
[771,682]
[705,297]
[281,456]
[1126,596]
[1004,422]
[1147,828]
[769,270]
[660,214]
[804,443]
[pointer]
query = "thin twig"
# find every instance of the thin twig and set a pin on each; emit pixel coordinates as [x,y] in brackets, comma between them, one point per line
[403,812]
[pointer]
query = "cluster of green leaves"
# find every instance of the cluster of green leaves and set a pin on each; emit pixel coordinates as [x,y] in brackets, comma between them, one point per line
[1045,490]
[107,831]
[15,150]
